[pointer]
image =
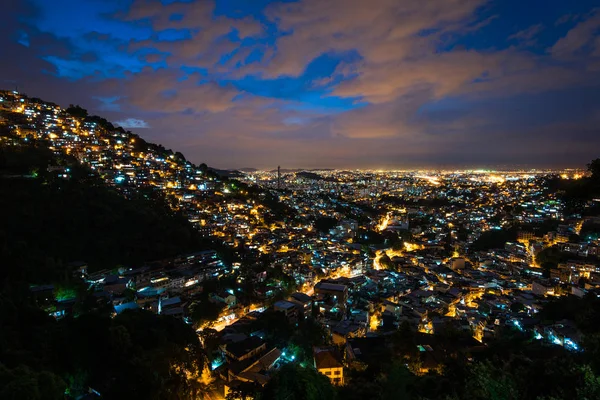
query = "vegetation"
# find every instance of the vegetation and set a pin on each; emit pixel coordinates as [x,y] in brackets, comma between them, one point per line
[575,192]
[590,230]
[594,169]
[324,224]
[49,222]
[24,383]
[494,239]
[135,355]
[550,257]
[294,382]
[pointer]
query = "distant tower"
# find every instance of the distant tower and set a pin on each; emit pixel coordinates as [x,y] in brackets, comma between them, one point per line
[278,177]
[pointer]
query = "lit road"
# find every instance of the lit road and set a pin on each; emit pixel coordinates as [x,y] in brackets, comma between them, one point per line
[223,324]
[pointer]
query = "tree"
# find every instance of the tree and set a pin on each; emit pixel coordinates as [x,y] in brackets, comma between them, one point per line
[180,156]
[243,391]
[77,111]
[25,383]
[590,389]
[324,224]
[276,326]
[129,231]
[594,168]
[494,239]
[550,257]
[386,262]
[396,386]
[517,307]
[204,311]
[310,333]
[484,308]
[590,230]
[489,382]
[294,382]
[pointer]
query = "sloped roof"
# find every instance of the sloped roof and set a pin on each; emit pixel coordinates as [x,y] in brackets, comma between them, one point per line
[326,358]
[245,346]
[330,286]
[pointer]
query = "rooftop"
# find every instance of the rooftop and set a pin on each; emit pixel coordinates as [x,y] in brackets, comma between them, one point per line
[326,357]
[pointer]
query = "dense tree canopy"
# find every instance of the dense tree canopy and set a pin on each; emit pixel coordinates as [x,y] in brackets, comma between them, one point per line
[324,224]
[49,222]
[590,230]
[594,168]
[294,382]
[135,355]
[494,239]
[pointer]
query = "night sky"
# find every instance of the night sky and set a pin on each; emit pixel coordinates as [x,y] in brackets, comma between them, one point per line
[323,83]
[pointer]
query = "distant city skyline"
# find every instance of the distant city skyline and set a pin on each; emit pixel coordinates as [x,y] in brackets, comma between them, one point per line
[311,84]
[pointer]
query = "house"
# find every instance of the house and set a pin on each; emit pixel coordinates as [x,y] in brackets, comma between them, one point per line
[140,276]
[198,257]
[347,329]
[429,359]
[98,276]
[245,349]
[328,363]
[160,281]
[225,297]
[126,306]
[171,306]
[288,308]
[255,371]
[542,289]
[115,284]
[337,291]
[564,333]
[304,303]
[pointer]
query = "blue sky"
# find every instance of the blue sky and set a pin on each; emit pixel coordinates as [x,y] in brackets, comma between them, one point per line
[313,83]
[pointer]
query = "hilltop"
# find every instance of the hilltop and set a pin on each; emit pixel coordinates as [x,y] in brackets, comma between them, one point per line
[75,187]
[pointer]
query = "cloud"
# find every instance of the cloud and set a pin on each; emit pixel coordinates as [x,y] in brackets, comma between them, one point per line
[171,91]
[383,31]
[207,40]
[565,18]
[399,47]
[153,58]
[392,119]
[108,103]
[577,38]
[132,123]
[335,83]
[527,36]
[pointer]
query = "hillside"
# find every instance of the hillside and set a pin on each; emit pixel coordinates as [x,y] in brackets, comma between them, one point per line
[55,211]
[50,221]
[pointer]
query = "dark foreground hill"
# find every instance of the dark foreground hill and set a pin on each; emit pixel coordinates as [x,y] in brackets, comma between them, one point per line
[50,217]
[49,221]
